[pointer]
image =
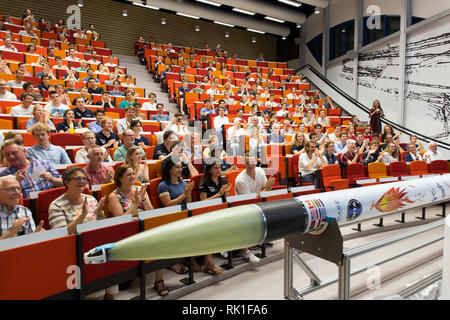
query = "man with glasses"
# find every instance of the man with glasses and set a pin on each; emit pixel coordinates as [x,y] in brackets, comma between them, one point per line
[15,220]
[33,175]
[128,142]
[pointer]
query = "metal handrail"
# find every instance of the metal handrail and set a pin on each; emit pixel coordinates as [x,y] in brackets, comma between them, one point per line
[420,285]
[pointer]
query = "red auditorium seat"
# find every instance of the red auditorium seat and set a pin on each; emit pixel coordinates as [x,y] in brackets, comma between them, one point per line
[66,139]
[438,166]
[398,169]
[332,179]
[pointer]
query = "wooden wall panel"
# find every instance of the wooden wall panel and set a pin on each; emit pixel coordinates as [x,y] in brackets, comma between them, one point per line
[120,32]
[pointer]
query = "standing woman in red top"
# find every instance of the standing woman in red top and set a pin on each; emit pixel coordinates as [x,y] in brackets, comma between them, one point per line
[375,115]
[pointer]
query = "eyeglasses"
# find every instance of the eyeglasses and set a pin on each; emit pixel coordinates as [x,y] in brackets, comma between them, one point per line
[12,189]
[79,179]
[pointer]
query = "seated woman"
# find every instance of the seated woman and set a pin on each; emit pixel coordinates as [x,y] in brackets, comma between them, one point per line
[74,208]
[134,159]
[68,125]
[88,139]
[128,199]
[174,191]
[391,154]
[212,186]
[39,115]
[413,154]
[139,140]
[213,140]
[298,143]
[353,154]
[328,154]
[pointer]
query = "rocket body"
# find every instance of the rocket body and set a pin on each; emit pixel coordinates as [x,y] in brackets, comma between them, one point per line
[244,226]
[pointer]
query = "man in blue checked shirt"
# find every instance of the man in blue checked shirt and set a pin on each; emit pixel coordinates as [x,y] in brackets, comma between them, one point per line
[15,220]
[33,175]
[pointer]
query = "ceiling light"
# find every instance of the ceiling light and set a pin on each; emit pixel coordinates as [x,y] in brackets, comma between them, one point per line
[343,30]
[273,19]
[254,39]
[257,31]
[197,28]
[187,15]
[291,3]
[317,10]
[80,3]
[244,11]
[227,34]
[284,38]
[163,21]
[125,13]
[299,26]
[224,24]
[210,3]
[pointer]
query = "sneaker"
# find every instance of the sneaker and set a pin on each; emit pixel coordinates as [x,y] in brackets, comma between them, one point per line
[224,254]
[250,257]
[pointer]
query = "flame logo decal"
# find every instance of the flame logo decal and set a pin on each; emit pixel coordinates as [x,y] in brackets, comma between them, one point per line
[392,200]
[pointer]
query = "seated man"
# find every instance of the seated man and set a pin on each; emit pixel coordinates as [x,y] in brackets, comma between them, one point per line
[91,74]
[95,126]
[206,110]
[341,145]
[15,220]
[116,91]
[252,180]
[24,109]
[220,120]
[93,88]
[162,150]
[433,153]
[275,136]
[96,171]
[80,110]
[124,123]
[160,116]
[44,150]
[128,142]
[18,82]
[308,163]
[29,88]
[107,138]
[176,125]
[33,175]
[55,108]
[5,94]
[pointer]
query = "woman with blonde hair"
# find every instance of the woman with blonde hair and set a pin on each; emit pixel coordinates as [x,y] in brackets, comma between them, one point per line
[298,143]
[391,154]
[134,159]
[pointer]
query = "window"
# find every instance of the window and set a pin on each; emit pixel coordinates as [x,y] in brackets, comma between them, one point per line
[342,39]
[315,46]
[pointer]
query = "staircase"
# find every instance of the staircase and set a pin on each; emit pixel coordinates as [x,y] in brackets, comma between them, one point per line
[145,80]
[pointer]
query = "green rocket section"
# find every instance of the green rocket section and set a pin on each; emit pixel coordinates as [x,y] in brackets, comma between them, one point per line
[228,229]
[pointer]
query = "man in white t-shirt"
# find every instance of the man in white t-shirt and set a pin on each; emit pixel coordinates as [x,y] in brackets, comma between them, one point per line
[55,108]
[5,94]
[151,103]
[221,119]
[309,162]
[71,56]
[8,45]
[432,154]
[26,108]
[252,180]
[18,82]
[94,58]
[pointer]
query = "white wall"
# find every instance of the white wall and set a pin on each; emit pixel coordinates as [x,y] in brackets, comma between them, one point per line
[386,6]
[337,73]
[427,8]
[342,11]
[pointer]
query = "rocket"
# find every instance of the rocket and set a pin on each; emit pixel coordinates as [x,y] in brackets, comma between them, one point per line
[244,226]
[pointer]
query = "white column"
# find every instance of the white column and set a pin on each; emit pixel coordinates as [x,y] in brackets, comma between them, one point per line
[359,15]
[405,22]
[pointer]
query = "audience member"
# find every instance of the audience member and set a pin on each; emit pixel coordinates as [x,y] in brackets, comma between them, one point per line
[373,153]
[129,99]
[107,138]
[106,101]
[341,145]
[178,155]
[95,126]
[15,219]
[162,150]
[68,125]
[309,162]
[55,108]
[433,153]
[18,81]
[116,89]
[176,125]
[5,94]
[24,109]
[128,142]
[88,139]
[412,154]
[390,154]
[33,175]
[160,116]
[134,159]
[97,173]
[328,153]
[44,150]
[353,154]
[124,123]
[39,116]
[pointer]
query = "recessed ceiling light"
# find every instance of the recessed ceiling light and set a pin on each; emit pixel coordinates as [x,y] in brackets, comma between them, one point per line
[224,24]
[244,11]
[187,15]
[197,28]
[124,13]
[227,34]
[80,3]
[317,10]
[210,3]
[257,31]
[291,3]
[163,20]
[274,19]
[254,39]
